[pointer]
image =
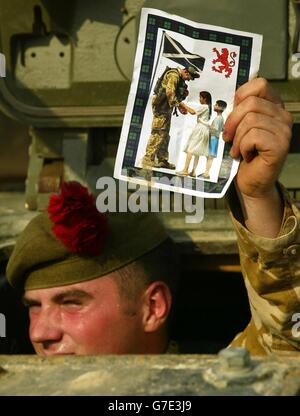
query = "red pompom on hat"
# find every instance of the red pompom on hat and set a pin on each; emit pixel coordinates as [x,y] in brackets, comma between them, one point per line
[77,222]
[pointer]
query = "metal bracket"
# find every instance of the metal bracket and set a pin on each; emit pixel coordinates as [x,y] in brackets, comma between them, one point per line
[296,4]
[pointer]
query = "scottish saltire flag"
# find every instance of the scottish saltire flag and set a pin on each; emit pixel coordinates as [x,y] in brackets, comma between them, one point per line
[172,49]
[2,65]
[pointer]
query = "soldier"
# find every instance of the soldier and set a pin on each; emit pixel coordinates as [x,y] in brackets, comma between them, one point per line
[93,284]
[265,218]
[170,91]
[91,289]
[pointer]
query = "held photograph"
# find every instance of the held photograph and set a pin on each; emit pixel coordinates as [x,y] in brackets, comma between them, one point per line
[184,80]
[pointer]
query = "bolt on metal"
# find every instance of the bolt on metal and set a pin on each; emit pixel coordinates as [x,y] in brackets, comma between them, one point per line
[234,359]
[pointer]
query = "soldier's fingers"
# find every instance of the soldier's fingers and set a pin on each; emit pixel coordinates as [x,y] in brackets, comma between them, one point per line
[248,144]
[280,131]
[258,87]
[253,105]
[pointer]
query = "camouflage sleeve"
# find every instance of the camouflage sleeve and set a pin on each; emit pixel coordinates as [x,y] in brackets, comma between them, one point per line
[271,271]
[172,79]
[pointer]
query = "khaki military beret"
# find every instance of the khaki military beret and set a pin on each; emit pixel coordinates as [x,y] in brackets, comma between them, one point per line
[49,254]
[193,72]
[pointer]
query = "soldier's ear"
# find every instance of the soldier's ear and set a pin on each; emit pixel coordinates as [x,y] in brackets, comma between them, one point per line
[156,306]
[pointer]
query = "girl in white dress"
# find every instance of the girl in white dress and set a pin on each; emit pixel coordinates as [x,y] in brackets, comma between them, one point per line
[198,142]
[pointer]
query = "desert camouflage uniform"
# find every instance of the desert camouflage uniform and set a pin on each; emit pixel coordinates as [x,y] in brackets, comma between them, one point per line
[162,106]
[271,270]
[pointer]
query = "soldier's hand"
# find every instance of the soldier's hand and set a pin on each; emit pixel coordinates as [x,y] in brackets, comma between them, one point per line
[191,110]
[260,130]
[183,108]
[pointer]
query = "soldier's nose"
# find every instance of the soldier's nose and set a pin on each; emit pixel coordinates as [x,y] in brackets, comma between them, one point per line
[44,327]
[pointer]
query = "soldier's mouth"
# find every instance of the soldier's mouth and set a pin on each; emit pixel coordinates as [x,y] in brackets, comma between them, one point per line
[52,354]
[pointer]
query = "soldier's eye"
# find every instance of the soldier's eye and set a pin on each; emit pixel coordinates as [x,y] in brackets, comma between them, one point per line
[33,308]
[72,302]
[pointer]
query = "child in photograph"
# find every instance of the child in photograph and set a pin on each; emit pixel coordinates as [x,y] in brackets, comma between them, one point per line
[215,129]
[198,142]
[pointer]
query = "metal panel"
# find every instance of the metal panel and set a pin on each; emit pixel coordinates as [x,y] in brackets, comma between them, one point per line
[258,16]
[69,63]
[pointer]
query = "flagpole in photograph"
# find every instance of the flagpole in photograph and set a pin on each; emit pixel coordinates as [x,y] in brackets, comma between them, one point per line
[158,58]
[2,66]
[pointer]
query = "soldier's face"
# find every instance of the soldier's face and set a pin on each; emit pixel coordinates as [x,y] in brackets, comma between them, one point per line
[186,75]
[84,318]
